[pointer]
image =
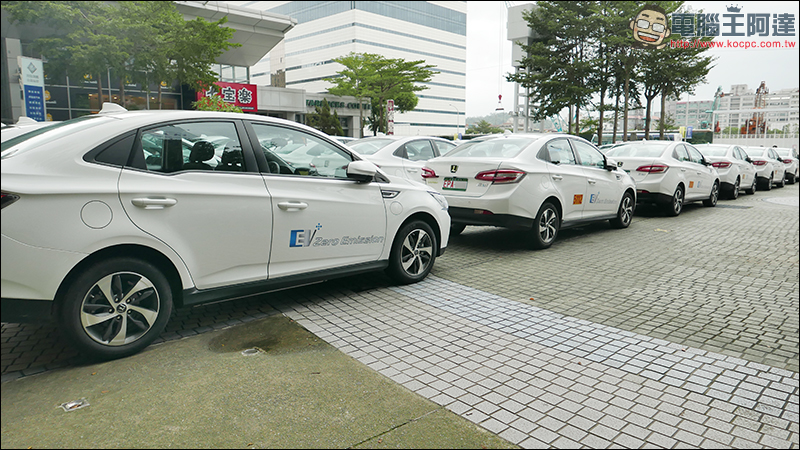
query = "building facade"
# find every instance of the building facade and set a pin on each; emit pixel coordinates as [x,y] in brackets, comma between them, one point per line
[433,32]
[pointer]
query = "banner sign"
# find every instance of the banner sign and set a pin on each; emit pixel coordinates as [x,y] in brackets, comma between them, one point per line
[32,81]
[244,96]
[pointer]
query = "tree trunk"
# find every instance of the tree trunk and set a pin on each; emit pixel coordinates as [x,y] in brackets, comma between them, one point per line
[663,113]
[616,118]
[647,117]
[122,91]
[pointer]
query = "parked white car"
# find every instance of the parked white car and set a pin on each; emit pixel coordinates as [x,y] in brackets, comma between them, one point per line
[791,162]
[736,171]
[536,182]
[668,173]
[770,169]
[105,241]
[23,125]
[401,156]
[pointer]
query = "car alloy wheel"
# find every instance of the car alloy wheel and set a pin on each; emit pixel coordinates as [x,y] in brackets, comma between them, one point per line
[625,212]
[413,253]
[768,187]
[116,307]
[676,205]
[546,226]
[735,192]
[782,183]
[753,187]
[714,196]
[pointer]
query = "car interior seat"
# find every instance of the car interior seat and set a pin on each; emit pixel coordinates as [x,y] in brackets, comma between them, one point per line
[231,161]
[201,151]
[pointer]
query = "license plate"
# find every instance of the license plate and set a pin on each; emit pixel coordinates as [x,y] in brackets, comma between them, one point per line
[455,184]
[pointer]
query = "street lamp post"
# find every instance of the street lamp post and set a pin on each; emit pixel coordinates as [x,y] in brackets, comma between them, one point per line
[458,118]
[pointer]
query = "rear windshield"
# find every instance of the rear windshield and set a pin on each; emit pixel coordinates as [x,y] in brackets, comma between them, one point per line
[369,146]
[637,150]
[713,151]
[492,148]
[784,151]
[57,130]
[754,152]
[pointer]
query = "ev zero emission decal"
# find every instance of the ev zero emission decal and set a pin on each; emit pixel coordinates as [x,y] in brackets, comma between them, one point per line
[309,238]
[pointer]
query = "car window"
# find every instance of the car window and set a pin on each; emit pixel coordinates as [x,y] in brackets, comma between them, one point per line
[637,150]
[204,145]
[773,154]
[560,152]
[313,157]
[443,147]
[419,150]
[695,155]
[369,146]
[499,147]
[588,155]
[681,154]
[738,153]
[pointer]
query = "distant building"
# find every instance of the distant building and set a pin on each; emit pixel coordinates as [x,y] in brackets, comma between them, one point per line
[734,108]
[435,32]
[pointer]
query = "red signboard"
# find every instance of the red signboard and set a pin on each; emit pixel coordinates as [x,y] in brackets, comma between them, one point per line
[244,96]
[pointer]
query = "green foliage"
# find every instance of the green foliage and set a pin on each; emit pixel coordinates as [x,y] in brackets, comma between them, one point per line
[324,121]
[215,103]
[380,79]
[483,127]
[138,41]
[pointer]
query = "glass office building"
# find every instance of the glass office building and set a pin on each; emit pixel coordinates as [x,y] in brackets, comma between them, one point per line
[433,32]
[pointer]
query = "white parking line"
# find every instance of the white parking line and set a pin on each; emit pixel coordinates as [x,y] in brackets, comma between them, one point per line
[535,377]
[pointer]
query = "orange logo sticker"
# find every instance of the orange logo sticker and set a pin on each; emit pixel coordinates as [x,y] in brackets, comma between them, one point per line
[577,199]
[691,184]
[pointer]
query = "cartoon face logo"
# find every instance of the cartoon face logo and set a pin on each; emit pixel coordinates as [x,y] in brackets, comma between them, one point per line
[650,27]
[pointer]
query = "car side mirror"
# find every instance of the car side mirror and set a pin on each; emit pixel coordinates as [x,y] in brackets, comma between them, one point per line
[361,171]
[780,159]
[748,160]
[610,164]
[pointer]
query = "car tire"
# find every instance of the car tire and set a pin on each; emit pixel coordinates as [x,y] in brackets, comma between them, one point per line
[457,228]
[792,178]
[625,212]
[782,183]
[711,201]
[545,226]
[735,191]
[753,187]
[675,206]
[413,253]
[768,185]
[140,307]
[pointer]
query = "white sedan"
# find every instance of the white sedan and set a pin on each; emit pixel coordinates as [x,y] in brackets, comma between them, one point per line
[668,173]
[537,182]
[401,156]
[770,168]
[736,171]
[791,161]
[104,237]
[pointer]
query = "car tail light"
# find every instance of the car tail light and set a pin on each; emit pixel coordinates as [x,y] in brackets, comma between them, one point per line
[787,160]
[721,165]
[500,176]
[653,168]
[758,162]
[428,173]
[7,199]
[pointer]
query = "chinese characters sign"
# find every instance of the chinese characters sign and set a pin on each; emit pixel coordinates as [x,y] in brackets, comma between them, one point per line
[32,81]
[244,96]
[733,23]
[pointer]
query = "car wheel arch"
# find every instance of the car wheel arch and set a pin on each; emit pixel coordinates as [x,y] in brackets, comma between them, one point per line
[430,220]
[150,255]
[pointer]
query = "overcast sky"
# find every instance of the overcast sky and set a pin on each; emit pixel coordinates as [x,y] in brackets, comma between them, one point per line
[489,55]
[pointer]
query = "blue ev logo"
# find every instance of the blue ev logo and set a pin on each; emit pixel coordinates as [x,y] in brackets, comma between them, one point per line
[302,238]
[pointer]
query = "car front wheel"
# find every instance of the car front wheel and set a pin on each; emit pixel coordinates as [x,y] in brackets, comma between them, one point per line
[545,226]
[413,253]
[625,212]
[735,191]
[115,308]
[753,187]
[714,196]
[782,183]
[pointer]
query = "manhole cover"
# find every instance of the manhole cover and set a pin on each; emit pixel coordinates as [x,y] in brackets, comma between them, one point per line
[788,201]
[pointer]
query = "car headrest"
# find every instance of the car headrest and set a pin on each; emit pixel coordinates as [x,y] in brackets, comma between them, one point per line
[201,151]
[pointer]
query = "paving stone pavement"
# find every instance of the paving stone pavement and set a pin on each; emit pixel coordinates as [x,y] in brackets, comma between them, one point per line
[675,332]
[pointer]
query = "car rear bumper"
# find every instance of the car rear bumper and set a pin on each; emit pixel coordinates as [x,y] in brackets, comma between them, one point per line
[471,216]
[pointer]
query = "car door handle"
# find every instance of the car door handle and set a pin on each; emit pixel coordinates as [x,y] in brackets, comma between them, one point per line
[558,177]
[153,203]
[683,170]
[592,181]
[413,170]
[292,206]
